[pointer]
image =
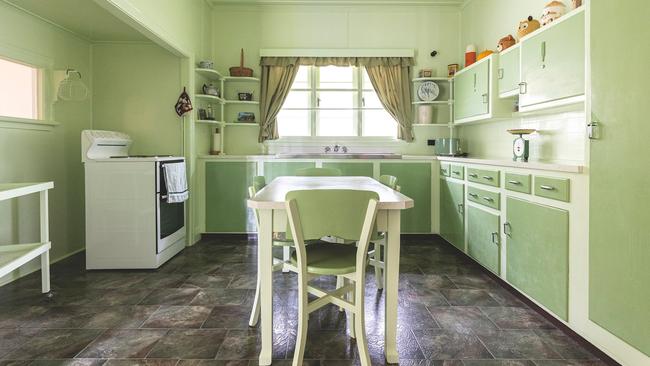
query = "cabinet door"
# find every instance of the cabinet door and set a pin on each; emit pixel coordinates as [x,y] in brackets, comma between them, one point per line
[471,91]
[415,180]
[452,217]
[226,192]
[553,62]
[508,72]
[538,253]
[274,169]
[619,248]
[483,238]
[352,169]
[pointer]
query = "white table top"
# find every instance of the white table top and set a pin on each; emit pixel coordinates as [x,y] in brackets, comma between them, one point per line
[273,195]
[12,190]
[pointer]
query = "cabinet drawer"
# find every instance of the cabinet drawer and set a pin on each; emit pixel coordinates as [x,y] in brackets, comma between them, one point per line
[458,171]
[489,177]
[554,188]
[483,197]
[518,182]
[445,170]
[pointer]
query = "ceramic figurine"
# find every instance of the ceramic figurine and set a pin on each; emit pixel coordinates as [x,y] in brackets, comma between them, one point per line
[553,11]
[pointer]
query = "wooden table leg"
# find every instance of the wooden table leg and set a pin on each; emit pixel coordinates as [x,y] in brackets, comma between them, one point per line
[45,238]
[391,285]
[265,251]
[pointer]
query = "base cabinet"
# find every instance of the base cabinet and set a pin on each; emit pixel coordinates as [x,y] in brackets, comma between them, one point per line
[483,238]
[537,241]
[452,217]
[352,169]
[415,180]
[274,169]
[225,197]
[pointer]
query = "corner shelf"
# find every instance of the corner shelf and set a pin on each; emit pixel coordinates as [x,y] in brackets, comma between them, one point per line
[252,102]
[209,122]
[212,98]
[242,79]
[432,78]
[421,102]
[445,125]
[210,74]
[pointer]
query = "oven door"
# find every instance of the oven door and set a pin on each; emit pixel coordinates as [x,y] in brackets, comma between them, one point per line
[170,218]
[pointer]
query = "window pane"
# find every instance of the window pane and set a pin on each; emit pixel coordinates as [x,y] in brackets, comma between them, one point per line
[370,100]
[378,122]
[18,90]
[367,85]
[293,123]
[334,77]
[336,123]
[302,78]
[336,99]
[297,99]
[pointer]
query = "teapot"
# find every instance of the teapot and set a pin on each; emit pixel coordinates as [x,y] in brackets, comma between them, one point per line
[210,89]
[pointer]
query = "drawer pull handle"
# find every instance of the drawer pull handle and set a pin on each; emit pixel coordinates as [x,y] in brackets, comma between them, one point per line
[461,209]
[488,177]
[489,199]
[485,98]
[473,195]
[500,73]
[473,175]
[515,182]
[547,188]
[507,229]
[495,238]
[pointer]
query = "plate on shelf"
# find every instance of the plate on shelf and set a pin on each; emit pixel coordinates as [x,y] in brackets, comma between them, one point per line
[428,91]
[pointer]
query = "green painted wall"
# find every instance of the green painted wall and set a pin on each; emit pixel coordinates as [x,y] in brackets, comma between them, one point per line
[562,136]
[619,248]
[32,155]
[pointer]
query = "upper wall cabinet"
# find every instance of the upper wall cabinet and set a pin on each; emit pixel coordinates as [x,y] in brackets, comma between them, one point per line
[553,64]
[508,72]
[476,93]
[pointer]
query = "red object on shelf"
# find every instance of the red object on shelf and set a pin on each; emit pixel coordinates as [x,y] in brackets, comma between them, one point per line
[470,55]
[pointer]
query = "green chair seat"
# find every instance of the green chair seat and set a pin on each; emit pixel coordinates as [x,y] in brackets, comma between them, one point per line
[329,259]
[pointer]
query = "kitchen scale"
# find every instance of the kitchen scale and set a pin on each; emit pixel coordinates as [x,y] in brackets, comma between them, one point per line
[520,146]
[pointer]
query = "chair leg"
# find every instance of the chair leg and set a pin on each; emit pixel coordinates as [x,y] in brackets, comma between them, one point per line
[340,282]
[379,272]
[360,320]
[286,257]
[303,321]
[255,312]
[45,272]
[351,314]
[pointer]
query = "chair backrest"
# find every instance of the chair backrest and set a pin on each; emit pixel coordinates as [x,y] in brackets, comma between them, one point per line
[259,182]
[389,181]
[331,212]
[318,172]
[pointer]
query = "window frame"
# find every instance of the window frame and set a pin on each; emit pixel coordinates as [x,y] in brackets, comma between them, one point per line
[358,108]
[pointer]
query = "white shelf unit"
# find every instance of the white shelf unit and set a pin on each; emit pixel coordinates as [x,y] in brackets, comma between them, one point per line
[447,102]
[222,102]
[14,256]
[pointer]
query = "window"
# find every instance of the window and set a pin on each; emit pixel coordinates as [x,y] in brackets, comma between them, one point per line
[19,95]
[334,101]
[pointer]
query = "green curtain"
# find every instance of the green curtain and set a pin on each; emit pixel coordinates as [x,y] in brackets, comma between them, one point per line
[393,86]
[274,87]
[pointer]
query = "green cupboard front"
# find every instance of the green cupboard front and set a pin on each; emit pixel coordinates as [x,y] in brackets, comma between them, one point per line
[226,192]
[452,217]
[483,242]
[471,91]
[415,182]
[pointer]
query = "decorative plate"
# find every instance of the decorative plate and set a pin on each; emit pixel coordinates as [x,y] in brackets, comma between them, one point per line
[428,91]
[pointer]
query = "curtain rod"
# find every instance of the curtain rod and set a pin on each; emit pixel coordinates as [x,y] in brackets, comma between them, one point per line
[336,52]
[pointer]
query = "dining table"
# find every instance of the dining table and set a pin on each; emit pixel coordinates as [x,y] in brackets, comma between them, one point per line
[270,203]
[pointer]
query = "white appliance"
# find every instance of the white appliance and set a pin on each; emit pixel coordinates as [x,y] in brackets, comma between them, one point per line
[129,224]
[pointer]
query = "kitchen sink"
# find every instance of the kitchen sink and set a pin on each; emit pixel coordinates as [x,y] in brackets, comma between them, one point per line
[339,156]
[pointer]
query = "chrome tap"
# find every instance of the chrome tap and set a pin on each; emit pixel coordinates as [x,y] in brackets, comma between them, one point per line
[337,147]
[344,149]
[327,149]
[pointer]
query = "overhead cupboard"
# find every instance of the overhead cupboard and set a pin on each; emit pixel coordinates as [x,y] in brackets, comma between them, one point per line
[515,222]
[545,69]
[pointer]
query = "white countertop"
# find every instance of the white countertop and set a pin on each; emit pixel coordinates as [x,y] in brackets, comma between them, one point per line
[566,167]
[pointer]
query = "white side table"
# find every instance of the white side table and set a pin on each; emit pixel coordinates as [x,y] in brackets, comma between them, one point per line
[13,256]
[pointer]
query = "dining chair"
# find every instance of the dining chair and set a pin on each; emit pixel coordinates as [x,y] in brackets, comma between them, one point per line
[279,240]
[378,239]
[318,172]
[309,216]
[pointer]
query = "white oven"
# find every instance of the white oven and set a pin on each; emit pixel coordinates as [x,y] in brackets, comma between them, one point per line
[129,221]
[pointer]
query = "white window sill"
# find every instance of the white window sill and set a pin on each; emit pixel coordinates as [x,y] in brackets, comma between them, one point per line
[26,123]
[318,144]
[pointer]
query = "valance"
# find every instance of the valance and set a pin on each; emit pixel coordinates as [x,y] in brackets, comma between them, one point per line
[337,61]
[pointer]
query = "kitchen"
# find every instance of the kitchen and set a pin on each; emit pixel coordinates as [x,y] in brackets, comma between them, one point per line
[553,242]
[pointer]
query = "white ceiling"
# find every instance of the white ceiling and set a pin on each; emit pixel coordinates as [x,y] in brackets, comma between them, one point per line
[82,17]
[340,2]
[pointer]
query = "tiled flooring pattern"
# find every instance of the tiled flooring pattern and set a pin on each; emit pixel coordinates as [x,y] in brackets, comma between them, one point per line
[194,311]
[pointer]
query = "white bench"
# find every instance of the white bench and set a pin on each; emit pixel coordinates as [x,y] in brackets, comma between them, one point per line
[13,256]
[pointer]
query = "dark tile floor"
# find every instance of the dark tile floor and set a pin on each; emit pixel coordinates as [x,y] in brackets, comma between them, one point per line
[194,311]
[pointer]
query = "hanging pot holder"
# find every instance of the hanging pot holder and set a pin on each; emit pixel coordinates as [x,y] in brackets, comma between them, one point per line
[184,104]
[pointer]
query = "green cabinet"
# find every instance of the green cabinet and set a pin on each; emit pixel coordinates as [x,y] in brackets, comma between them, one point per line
[508,72]
[483,238]
[415,181]
[538,253]
[518,182]
[486,198]
[471,91]
[274,169]
[553,188]
[619,209]
[362,169]
[452,216]
[445,169]
[553,62]
[226,192]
